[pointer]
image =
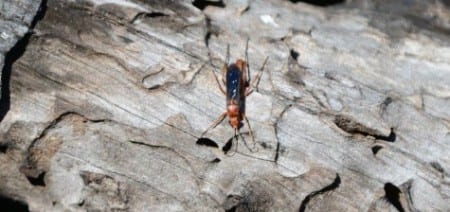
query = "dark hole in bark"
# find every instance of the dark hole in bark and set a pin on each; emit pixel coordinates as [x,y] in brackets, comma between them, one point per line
[4,148]
[233,209]
[294,54]
[202,4]
[215,160]
[393,196]
[207,142]
[387,101]
[228,145]
[7,204]
[376,148]
[437,166]
[277,152]
[265,145]
[207,37]
[37,181]
[155,14]
[390,138]
[322,3]
[143,15]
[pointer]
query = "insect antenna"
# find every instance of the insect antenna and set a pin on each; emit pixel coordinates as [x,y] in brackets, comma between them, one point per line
[246,60]
[227,58]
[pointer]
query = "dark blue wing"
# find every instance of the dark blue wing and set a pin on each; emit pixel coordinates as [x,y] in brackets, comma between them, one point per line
[233,79]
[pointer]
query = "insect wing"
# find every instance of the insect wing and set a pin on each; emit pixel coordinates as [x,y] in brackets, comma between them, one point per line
[233,78]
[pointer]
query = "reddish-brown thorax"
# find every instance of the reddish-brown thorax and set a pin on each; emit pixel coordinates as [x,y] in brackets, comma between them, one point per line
[241,65]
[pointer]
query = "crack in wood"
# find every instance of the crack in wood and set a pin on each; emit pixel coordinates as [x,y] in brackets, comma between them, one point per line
[121,175]
[32,167]
[202,4]
[207,142]
[353,127]
[171,149]
[118,106]
[143,15]
[392,195]
[275,126]
[12,56]
[331,187]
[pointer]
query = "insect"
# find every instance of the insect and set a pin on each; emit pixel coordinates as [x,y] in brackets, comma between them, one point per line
[237,81]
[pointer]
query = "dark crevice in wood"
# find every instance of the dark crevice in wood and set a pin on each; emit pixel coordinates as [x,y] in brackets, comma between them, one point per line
[228,145]
[15,53]
[265,145]
[40,13]
[353,127]
[210,31]
[207,37]
[386,103]
[8,204]
[155,14]
[376,149]
[275,126]
[392,195]
[37,181]
[294,54]
[4,148]
[151,145]
[232,203]
[202,4]
[233,209]
[216,160]
[32,172]
[437,166]
[390,138]
[143,15]
[12,56]
[334,185]
[207,142]
[277,152]
[322,3]
[31,168]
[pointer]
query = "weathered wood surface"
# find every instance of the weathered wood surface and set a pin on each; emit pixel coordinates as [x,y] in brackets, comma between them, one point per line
[109,98]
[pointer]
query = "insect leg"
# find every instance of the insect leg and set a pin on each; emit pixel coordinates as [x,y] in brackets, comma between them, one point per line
[255,82]
[216,122]
[215,76]
[236,144]
[224,67]
[253,149]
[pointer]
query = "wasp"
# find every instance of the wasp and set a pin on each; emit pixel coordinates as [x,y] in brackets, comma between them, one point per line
[238,85]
